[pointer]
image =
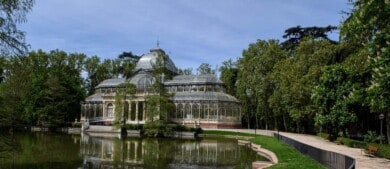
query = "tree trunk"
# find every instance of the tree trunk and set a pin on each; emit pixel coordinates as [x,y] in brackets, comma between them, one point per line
[284,122]
[388,126]
[276,126]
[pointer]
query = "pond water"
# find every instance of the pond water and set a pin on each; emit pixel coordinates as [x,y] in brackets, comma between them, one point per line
[61,151]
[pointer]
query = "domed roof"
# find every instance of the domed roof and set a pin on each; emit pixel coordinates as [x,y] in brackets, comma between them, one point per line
[142,79]
[147,61]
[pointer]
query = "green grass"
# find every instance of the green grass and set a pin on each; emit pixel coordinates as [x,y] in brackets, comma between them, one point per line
[288,156]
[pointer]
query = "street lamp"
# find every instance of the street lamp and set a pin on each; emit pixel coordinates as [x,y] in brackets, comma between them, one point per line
[381,117]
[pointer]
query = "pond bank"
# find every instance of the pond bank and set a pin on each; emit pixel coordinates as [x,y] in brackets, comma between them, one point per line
[362,160]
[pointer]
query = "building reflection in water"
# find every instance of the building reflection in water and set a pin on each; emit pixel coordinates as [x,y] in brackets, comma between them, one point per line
[145,153]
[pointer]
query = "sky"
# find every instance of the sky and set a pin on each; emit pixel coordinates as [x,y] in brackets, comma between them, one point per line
[190,32]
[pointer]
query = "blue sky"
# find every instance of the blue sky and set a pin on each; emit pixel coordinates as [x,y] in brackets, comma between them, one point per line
[191,32]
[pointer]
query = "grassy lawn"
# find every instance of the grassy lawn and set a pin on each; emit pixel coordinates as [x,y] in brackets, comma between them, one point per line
[288,156]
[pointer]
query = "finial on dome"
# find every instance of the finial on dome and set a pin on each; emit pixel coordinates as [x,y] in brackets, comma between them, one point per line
[158,43]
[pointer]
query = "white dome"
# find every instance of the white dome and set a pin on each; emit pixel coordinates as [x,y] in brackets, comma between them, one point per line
[147,61]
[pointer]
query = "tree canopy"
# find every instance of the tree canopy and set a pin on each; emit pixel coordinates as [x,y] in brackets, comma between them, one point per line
[13,12]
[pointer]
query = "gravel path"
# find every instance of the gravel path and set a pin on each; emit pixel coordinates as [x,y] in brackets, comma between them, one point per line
[362,161]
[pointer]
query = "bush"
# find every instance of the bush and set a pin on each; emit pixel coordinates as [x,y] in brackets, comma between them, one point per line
[134,127]
[158,129]
[198,131]
[181,128]
[383,150]
[372,137]
[323,135]
[178,127]
[76,124]
[352,143]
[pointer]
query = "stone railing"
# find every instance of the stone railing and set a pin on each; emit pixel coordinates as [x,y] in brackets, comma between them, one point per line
[327,158]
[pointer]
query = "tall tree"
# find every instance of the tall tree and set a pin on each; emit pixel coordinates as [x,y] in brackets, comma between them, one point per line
[158,103]
[295,35]
[124,92]
[42,89]
[229,72]
[332,96]
[13,12]
[186,71]
[204,69]
[368,25]
[13,93]
[254,86]
[128,62]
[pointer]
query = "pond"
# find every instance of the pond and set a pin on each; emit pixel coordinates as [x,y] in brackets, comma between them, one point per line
[61,151]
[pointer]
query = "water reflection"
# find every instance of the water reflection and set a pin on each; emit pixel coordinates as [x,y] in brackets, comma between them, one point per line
[60,151]
[145,153]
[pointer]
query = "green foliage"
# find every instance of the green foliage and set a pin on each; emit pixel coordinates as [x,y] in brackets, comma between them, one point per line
[43,89]
[352,143]
[383,150]
[123,93]
[187,71]
[181,128]
[76,124]
[295,35]
[128,62]
[205,69]
[254,85]
[134,127]
[229,74]
[158,128]
[323,135]
[372,137]
[13,12]
[332,97]
[367,26]
[158,103]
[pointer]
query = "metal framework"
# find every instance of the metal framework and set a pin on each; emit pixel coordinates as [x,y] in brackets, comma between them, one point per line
[200,100]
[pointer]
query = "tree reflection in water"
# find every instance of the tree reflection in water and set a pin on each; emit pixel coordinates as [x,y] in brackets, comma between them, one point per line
[61,151]
[148,153]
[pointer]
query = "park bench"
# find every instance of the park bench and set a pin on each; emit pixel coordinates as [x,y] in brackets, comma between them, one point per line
[372,149]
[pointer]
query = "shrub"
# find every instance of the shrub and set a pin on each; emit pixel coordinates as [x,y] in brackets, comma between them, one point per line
[76,124]
[352,143]
[178,127]
[383,150]
[181,128]
[158,129]
[323,135]
[372,137]
[134,126]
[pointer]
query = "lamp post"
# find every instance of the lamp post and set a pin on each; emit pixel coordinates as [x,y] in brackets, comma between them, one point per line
[249,95]
[381,117]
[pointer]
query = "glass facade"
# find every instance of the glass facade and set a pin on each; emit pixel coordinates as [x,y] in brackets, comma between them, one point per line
[200,100]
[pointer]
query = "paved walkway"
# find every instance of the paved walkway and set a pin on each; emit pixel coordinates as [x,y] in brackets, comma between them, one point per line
[362,161]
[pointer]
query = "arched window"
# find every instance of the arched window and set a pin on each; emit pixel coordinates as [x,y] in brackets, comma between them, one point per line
[144,83]
[110,110]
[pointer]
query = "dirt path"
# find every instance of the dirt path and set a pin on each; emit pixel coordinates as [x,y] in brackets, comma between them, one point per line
[362,161]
